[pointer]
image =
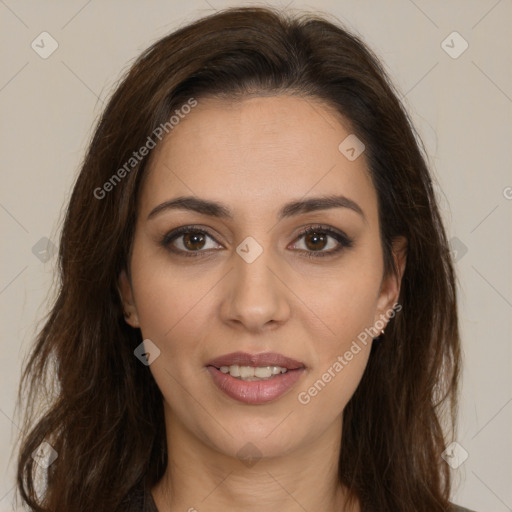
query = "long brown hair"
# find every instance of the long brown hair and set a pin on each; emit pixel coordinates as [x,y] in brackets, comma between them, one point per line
[101,409]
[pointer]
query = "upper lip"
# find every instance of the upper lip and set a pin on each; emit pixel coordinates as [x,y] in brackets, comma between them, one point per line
[263,359]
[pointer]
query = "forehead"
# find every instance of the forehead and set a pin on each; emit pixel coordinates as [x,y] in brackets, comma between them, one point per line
[257,151]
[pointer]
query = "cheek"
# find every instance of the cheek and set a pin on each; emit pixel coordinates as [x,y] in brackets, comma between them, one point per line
[340,303]
[332,303]
[341,309]
[174,307]
[170,312]
[341,345]
[329,388]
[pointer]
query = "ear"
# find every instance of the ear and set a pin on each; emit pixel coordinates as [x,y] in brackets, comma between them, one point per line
[390,286]
[126,294]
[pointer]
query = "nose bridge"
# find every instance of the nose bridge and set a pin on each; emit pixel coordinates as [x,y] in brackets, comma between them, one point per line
[256,294]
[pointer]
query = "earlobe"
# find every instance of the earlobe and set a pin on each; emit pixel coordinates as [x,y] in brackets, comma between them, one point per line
[126,295]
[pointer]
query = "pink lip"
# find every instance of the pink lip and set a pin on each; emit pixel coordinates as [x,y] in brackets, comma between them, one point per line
[263,359]
[255,392]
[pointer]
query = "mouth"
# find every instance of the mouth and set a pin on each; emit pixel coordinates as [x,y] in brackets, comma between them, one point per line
[255,378]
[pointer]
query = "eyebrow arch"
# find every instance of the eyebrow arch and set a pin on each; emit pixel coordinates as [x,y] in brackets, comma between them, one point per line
[291,209]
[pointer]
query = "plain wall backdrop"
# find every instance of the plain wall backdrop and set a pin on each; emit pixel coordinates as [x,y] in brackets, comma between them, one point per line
[456,86]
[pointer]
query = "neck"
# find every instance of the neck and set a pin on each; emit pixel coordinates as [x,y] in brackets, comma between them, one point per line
[200,478]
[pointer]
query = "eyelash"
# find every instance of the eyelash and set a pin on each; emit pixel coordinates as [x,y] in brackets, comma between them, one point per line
[344,241]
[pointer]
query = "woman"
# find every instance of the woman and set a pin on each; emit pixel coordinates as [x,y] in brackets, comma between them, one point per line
[257,307]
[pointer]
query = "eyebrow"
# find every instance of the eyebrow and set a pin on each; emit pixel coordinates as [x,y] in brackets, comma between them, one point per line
[291,209]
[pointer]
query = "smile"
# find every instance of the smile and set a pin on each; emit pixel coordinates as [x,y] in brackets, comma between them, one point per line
[255,378]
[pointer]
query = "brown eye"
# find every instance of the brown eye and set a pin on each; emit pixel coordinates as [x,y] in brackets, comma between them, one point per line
[322,241]
[315,241]
[194,241]
[189,241]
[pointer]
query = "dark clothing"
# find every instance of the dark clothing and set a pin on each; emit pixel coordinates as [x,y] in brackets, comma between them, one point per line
[142,501]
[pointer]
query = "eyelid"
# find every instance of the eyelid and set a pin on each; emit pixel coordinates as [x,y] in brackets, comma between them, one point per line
[344,241]
[176,233]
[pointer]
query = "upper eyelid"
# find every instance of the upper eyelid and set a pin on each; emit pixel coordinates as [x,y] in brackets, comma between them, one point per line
[180,231]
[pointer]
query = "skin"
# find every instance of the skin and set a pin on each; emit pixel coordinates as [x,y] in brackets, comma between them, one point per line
[255,155]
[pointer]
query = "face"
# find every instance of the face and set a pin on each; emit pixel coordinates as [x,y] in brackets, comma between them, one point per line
[242,276]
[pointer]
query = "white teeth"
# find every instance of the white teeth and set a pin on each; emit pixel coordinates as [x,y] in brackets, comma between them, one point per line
[234,371]
[250,373]
[263,372]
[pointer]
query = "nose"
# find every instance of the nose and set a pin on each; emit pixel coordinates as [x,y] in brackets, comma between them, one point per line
[255,295]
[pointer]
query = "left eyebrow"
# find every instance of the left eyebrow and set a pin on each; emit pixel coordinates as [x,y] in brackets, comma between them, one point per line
[319,203]
[291,209]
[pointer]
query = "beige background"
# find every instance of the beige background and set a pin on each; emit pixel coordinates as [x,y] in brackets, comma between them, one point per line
[461,106]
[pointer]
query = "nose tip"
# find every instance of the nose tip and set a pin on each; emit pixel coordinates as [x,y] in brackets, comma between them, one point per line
[256,297]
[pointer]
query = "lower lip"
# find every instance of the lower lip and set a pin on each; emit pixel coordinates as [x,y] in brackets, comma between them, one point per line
[256,391]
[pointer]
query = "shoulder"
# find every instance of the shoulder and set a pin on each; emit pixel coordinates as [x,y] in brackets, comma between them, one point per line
[139,500]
